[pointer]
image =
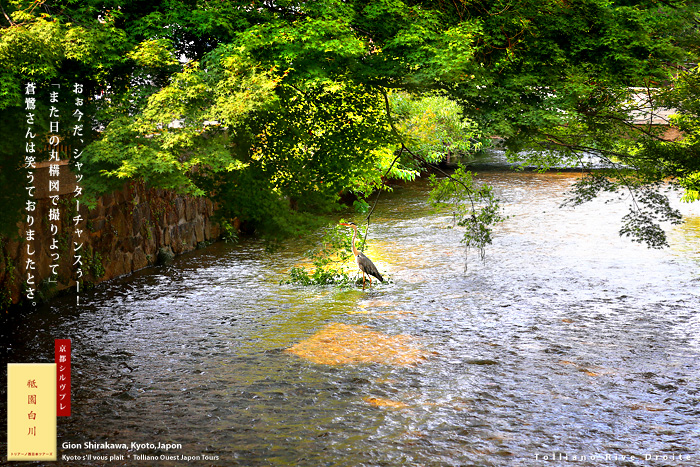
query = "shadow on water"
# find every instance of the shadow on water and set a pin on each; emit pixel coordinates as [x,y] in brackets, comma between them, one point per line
[566,340]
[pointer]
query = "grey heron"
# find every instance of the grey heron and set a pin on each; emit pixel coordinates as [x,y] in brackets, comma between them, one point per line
[364,263]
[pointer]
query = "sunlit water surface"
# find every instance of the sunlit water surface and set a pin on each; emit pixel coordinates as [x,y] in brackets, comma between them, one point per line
[566,341]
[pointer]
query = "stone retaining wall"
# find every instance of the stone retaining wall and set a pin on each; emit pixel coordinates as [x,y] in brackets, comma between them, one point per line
[124,232]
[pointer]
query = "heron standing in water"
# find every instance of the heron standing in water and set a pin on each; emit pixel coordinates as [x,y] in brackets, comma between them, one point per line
[364,263]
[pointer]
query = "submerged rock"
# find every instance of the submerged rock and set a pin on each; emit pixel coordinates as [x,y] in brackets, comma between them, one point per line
[165,255]
[342,344]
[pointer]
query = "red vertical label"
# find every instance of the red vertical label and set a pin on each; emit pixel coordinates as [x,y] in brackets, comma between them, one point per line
[62,353]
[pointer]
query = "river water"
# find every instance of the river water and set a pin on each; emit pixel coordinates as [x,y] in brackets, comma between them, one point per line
[566,341]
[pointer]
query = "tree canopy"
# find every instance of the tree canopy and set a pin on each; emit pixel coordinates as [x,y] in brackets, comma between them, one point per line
[295,101]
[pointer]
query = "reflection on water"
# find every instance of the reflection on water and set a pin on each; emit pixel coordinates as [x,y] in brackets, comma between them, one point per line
[566,339]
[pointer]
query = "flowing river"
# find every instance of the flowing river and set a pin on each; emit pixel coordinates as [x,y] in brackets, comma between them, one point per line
[567,342]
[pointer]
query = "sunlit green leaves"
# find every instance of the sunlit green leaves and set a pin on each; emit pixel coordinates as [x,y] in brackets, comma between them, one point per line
[153,53]
[177,135]
[242,89]
[315,48]
[318,140]
[453,53]
[433,126]
[329,259]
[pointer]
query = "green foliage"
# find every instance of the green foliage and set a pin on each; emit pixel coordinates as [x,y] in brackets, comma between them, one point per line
[329,260]
[642,223]
[249,196]
[320,276]
[433,126]
[361,206]
[613,132]
[681,158]
[691,184]
[180,132]
[318,141]
[476,208]
[37,46]
[10,268]
[93,263]
[153,54]
[618,127]
[649,205]
[229,232]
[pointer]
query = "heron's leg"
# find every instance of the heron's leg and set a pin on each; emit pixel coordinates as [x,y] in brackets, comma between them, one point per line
[363,280]
[370,281]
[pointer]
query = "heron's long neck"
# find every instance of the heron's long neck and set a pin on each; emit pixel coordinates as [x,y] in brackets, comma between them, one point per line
[354,235]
